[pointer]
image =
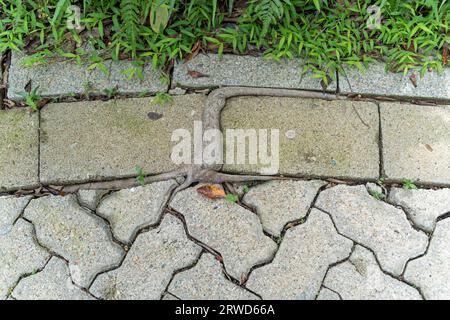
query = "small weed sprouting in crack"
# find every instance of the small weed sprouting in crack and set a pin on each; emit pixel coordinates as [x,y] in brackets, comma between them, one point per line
[140,179]
[26,275]
[377,195]
[162,98]
[32,98]
[111,93]
[409,184]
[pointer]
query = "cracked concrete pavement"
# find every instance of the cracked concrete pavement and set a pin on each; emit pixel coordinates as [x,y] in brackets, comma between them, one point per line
[343,243]
[338,226]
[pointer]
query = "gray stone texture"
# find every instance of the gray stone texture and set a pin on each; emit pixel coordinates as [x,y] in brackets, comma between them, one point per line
[11,208]
[236,233]
[329,137]
[65,78]
[327,294]
[206,281]
[149,265]
[431,272]
[75,234]
[109,139]
[423,206]
[52,283]
[374,224]
[246,71]
[169,296]
[360,278]
[416,143]
[19,149]
[376,81]
[90,198]
[302,260]
[280,202]
[20,255]
[130,210]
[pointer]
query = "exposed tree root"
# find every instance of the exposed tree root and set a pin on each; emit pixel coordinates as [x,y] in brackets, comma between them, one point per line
[206,173]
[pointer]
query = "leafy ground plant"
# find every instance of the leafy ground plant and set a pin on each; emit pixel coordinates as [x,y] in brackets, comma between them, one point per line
[409,184]
[162,98]
[32,98]
[407,34]
[140,179]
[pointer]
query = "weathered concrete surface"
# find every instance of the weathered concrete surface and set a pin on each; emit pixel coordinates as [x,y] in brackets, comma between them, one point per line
[316,137]
[169,296]
[431,272]
[302,260]
[19,255]
[97,140]
[206,281]
[149,265]
[65,78]
[374,224]
[129,210]
[233,231]
[376,81]
[360,278]
[416,142]
[90,198]
[19,149]
[52,283]
[75,234]
[247,71]
[327,294]
[280,202]
[423,206]
[11,208]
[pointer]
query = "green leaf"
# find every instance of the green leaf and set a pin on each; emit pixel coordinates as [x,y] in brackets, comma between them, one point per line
[232,198]
[159,17]
[60,6]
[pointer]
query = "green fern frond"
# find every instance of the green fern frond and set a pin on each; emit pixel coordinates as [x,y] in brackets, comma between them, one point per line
[130,15]
[269,12]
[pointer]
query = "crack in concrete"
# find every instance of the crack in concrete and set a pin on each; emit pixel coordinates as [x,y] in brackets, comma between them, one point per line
[334,291]
[380,143]
[399,278]
[25,275]
[175,272]
[279,240]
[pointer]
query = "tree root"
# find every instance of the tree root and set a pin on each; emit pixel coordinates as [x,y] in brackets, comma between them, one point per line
[207,173]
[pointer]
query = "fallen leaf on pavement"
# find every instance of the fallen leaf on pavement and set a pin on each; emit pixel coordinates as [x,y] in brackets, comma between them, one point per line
[211,191]
[413,79]
[195,74]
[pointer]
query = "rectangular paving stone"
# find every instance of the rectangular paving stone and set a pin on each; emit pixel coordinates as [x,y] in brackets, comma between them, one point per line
[416,142]
[19,149]
[87,141]
[317,138]
[64,78]
[376,81]
[247,71]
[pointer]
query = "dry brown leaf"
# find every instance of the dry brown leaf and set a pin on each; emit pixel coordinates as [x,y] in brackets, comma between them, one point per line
[195,74]
[195,50]
[445,55]
[211,191]
[413,79]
